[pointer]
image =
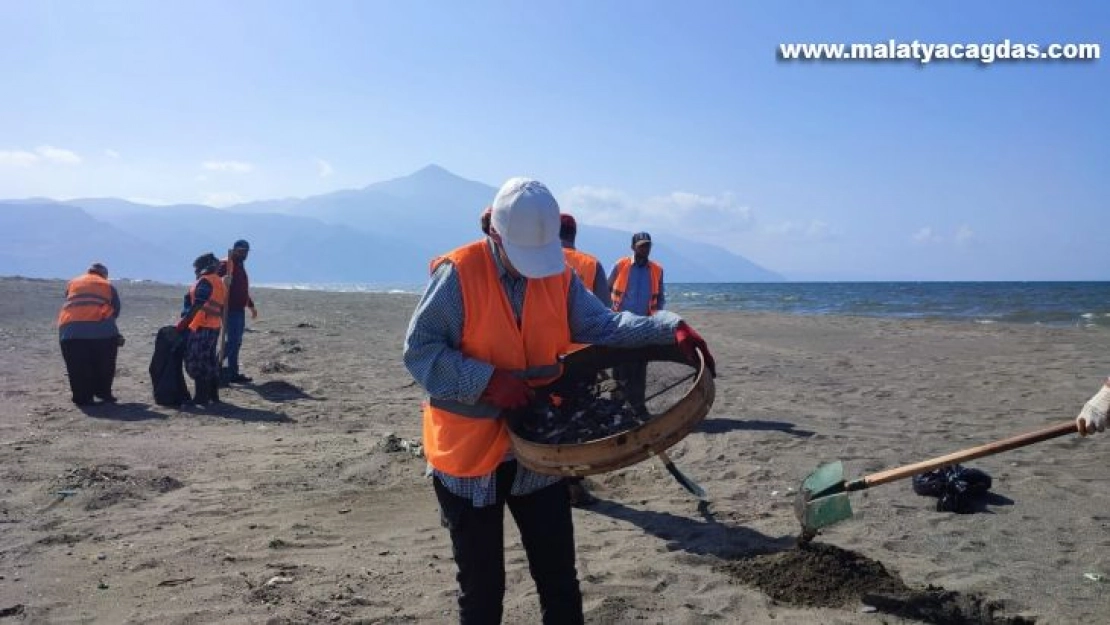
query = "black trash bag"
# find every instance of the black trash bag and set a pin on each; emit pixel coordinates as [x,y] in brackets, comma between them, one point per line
[167,376]
[956,487]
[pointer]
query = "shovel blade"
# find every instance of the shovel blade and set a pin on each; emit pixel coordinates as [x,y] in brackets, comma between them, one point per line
[821,500]
[824,511]
[825,480]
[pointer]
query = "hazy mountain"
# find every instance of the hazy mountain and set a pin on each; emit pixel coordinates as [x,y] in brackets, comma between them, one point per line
[440,209]
[45,239]
[383,233]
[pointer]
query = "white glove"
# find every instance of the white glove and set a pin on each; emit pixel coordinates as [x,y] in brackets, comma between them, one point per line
[1093,416]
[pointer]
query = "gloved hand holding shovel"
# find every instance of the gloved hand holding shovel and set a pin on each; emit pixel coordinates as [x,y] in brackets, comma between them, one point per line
[1093,416]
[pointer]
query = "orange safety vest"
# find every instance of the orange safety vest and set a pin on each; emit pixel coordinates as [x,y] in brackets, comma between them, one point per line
[469,440]
[212,313]
[585,265]
[88,298]
[620,283]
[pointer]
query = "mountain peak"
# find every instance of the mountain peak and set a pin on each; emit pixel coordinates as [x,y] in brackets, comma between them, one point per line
[428,175]
[433,170]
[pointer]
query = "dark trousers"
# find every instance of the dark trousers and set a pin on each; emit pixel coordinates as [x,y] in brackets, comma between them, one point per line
[633,379]
[91,364]
[478,537]
[236,325]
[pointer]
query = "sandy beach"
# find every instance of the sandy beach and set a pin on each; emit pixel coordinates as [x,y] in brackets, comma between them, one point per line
[286,505]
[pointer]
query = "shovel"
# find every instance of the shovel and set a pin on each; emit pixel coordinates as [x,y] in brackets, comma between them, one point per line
[823,498]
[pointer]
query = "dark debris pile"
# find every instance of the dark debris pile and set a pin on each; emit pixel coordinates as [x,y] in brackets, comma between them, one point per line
[585,411]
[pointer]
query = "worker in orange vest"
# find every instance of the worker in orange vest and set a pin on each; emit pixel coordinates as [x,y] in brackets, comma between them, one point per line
[88,335]
[637,286]
[491,325]
[202,319]
[637,281]
[587,266]
[592,274]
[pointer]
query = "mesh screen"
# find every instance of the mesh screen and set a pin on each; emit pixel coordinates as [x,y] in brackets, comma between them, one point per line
[605,393]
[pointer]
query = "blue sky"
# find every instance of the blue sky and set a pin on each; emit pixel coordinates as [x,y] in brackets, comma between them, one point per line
[667,116]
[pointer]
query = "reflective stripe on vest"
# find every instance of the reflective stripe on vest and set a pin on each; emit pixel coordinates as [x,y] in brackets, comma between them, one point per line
[88,298]
[468,440]
[585,265]
[620,284]
[211,313]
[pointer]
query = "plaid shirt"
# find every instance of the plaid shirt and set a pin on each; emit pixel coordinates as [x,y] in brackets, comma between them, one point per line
[433,358]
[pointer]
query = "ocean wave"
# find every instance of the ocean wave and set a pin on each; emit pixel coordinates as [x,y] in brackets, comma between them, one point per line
[342,287]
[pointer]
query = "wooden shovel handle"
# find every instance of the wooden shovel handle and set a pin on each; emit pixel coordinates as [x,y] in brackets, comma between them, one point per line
[997,447]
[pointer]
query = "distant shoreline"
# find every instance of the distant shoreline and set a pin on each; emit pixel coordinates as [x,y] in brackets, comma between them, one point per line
[1050,304]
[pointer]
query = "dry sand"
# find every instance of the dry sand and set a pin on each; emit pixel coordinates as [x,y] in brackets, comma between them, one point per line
[282,506]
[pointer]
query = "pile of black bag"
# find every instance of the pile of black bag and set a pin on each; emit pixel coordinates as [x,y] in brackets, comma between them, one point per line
[956,487]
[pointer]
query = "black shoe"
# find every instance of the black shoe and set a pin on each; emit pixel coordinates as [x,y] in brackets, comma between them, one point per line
[83,402]
[239,378]
[110,399]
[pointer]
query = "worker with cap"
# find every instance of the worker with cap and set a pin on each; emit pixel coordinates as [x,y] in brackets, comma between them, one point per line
[592,275]
[202,318]
[637,281]
[238,301]
[587,266]
[494,319]
[88,335]
[637,286]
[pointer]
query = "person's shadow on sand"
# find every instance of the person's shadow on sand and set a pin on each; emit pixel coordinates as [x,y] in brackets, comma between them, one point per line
[720,425]
[226,410]
[706,536]
[278,391]
[130,411]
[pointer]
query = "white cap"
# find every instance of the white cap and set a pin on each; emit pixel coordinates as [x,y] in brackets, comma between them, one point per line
[526,216]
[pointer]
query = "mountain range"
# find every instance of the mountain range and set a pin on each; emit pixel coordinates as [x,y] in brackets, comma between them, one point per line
[383,234]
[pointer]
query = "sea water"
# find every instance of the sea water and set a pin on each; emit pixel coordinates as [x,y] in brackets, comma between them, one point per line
[1046,303]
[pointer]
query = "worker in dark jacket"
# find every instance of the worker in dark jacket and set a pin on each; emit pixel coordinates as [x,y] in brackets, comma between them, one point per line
[238,301]
[88,335]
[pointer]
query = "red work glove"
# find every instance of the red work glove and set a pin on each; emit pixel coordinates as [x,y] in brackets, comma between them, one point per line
[507,391]
[688,340]
[181,325]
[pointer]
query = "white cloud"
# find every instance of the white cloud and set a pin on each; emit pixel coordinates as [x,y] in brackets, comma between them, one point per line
[111,153]
[233,167]
[812,230]
[700,216]
[928,236]
[58,155]
[201,178]
[221,198]
[925,236]
[323,168]
[17,158]
[964,235]
[47,153]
